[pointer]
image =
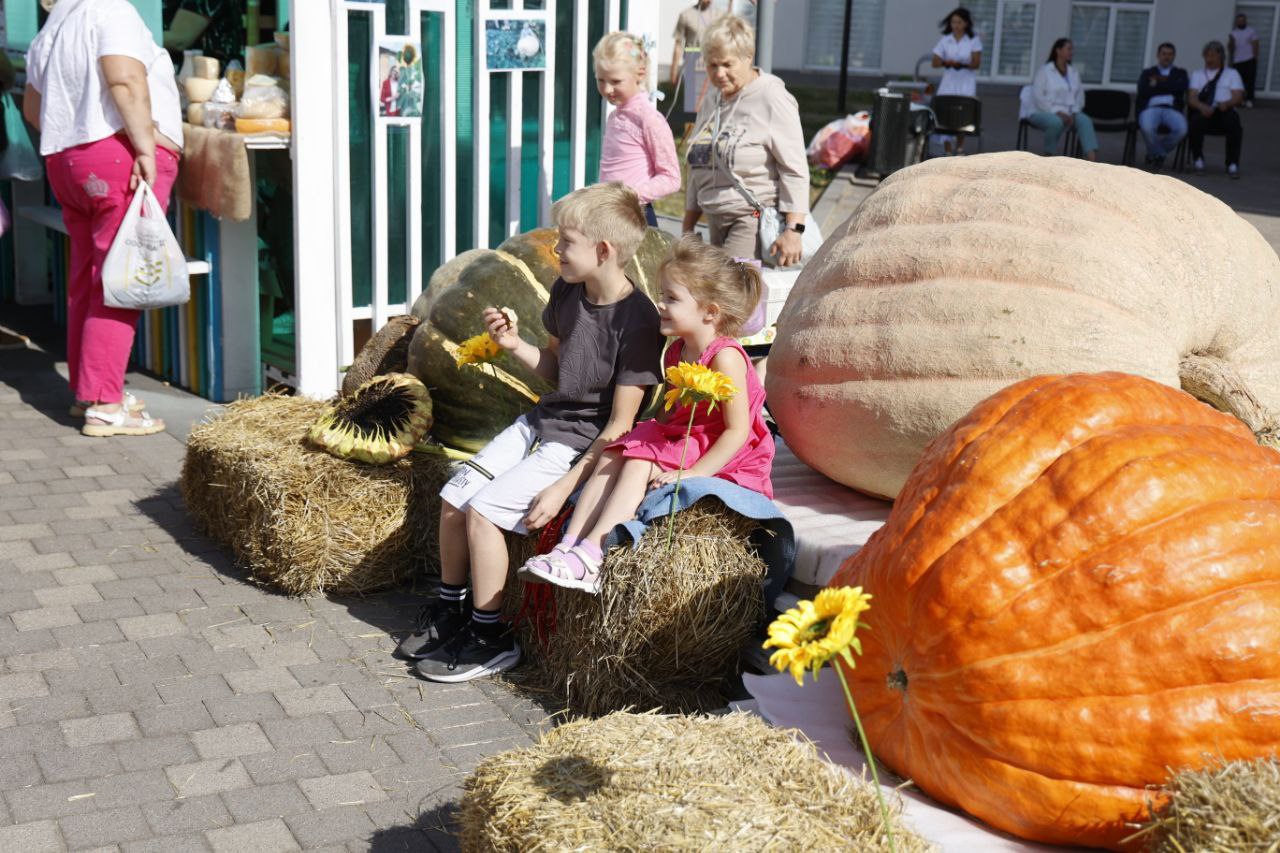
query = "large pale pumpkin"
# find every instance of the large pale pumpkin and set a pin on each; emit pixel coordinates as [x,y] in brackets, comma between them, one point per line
[472,405]
[1077,590]
[960,276]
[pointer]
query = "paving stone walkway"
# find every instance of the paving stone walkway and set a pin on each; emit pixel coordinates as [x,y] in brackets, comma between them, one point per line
[152,699]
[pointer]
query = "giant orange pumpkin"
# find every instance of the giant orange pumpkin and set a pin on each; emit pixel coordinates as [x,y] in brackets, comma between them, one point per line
[1077,590]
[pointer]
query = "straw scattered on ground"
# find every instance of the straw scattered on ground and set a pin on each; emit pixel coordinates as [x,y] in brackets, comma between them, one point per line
[664,631]
[1224,808]
[301,520]
[640,782]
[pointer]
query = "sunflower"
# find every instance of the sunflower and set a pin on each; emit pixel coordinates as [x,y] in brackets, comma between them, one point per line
[697,383]
[478,349]
[377,423]
[810,634]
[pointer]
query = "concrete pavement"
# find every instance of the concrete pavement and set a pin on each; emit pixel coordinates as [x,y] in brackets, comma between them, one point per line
[152,699]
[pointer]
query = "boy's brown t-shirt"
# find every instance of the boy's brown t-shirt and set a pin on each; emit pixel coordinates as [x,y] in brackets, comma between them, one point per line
[601,346]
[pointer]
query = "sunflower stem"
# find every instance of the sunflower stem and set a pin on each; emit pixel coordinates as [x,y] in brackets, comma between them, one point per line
[671,516]
[871,759]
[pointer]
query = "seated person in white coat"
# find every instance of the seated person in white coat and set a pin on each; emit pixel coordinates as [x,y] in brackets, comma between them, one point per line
[1059,101]
[959,52]
[1214,94]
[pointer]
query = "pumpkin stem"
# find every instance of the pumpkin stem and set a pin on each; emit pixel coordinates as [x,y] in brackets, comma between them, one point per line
[1218,384]
[897,680]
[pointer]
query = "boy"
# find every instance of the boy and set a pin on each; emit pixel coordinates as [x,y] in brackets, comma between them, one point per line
[603,354]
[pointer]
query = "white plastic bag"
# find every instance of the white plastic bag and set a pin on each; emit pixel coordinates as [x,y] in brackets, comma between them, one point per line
[145,267]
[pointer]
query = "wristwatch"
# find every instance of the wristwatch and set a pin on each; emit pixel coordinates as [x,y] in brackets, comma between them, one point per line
[797,227]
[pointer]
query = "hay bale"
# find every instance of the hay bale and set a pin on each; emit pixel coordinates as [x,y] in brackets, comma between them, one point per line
[301,520]
[667,626]
[644,781]
[1229,806]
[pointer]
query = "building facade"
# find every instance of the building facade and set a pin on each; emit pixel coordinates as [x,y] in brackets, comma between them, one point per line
[1114,39]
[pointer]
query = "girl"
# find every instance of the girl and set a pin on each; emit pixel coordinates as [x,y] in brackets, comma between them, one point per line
[959,51]
[638,148]
[706,297]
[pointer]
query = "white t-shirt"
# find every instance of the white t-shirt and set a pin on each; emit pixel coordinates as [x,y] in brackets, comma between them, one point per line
[1229,80]
[1244,40]
[62,64]
[958,81]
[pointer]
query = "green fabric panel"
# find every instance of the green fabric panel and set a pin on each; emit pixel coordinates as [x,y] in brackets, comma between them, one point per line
[530,152]
[360,139]
[497,157]
[432,26]
[151,13]
[464,40]
[397,21]
[21,23]
[596,23]
[282,15]
[397,213]
[563,86]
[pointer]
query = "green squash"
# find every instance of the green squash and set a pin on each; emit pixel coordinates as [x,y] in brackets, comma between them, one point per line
[473,404]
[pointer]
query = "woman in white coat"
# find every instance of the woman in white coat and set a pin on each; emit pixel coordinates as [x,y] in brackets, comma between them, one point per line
[959,53]
[1059,101]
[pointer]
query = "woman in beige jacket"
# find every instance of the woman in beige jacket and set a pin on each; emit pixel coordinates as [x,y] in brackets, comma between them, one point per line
[747,146]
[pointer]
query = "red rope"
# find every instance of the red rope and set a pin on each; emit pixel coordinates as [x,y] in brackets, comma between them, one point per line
[538,603]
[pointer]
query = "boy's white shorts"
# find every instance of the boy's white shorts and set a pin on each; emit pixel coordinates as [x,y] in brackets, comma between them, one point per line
[501,481]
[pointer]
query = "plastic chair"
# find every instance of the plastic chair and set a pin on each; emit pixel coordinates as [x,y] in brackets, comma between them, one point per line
[957,114]
[1112,112]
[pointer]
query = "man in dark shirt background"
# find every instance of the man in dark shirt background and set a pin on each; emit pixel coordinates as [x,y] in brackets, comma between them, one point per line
[214,26]
[1162,92]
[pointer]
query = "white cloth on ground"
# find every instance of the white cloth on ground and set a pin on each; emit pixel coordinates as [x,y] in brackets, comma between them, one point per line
[831,521]
[818,710]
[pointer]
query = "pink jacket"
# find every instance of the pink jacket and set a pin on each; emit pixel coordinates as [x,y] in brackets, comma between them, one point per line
[638,150]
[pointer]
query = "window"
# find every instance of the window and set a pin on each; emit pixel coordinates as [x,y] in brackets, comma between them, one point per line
[1112,41]
[1008,30]
[826,32]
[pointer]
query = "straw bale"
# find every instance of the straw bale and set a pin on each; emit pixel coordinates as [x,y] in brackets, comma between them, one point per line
[1224,808]
[640,782]
[301,520]
[667,626]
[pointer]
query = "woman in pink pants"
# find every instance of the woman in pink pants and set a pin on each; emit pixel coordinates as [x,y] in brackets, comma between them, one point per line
[103,96]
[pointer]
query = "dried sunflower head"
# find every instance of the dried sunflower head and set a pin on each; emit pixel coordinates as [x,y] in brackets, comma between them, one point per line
[380,422]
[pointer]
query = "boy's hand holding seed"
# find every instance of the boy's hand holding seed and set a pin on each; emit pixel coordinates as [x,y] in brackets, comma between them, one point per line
[501,325]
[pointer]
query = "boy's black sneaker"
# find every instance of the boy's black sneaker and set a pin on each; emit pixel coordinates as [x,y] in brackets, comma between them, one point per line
[472,653]
[437,622]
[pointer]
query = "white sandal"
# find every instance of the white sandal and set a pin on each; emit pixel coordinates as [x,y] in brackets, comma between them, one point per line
[558,571]
[119,423]
[130,402]
[541,562]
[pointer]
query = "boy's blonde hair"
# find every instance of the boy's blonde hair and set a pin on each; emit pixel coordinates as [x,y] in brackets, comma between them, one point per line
[712,276]
[608,213]
[621,50]
[729,36]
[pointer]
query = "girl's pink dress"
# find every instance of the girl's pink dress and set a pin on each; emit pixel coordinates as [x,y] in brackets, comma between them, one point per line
[663,442]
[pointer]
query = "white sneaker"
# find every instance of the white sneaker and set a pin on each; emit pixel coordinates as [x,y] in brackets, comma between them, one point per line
[1233,171]
[1199,166]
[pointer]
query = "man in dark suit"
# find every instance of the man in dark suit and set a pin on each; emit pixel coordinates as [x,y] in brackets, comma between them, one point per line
[1162,91]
